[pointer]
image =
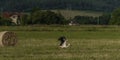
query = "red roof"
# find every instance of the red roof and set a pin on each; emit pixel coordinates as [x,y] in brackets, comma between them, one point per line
[9,14]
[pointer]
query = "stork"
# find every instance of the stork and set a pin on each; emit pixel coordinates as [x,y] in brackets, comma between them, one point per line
[63,42]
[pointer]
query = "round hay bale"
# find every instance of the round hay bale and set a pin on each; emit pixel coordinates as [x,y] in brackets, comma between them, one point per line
[8,38]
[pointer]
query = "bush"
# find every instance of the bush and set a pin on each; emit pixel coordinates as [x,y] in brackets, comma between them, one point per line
[5,22]
[47,17]
[115,17]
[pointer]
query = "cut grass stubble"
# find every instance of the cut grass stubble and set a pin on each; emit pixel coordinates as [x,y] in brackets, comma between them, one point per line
[43,45]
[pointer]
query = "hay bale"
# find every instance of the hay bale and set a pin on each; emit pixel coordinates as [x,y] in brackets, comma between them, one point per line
[8,38]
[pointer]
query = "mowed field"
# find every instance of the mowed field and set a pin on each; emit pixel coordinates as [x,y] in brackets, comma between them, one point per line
[40,43]
[72,13]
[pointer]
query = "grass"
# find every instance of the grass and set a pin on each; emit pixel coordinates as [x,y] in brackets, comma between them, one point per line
[37,44]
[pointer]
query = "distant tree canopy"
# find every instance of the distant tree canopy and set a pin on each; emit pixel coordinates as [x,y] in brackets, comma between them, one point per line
[5,21]
[48,17]
[90,20]
[115,17]
[43,17]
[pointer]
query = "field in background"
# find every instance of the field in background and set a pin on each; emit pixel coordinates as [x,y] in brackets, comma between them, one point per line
[72,13]
[40,43]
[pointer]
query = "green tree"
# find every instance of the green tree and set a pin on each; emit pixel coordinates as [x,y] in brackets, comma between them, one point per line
[104,19]
[47,17]
[115,17]
[25,19]
[5,22]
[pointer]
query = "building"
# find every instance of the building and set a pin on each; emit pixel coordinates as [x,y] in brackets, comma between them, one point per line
[14,16]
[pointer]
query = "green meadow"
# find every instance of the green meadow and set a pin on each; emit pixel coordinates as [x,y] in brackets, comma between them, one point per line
[40,43]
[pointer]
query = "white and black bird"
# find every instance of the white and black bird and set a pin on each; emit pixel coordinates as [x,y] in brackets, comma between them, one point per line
[63,42]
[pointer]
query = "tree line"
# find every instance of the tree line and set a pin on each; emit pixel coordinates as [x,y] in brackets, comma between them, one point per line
[39,17]
[36,17]
[90,20]
[43,17]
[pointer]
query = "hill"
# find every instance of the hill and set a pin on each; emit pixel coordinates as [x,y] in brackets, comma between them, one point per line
[27,5]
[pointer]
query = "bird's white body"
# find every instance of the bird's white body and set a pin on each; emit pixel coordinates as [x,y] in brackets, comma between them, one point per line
[64,45]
